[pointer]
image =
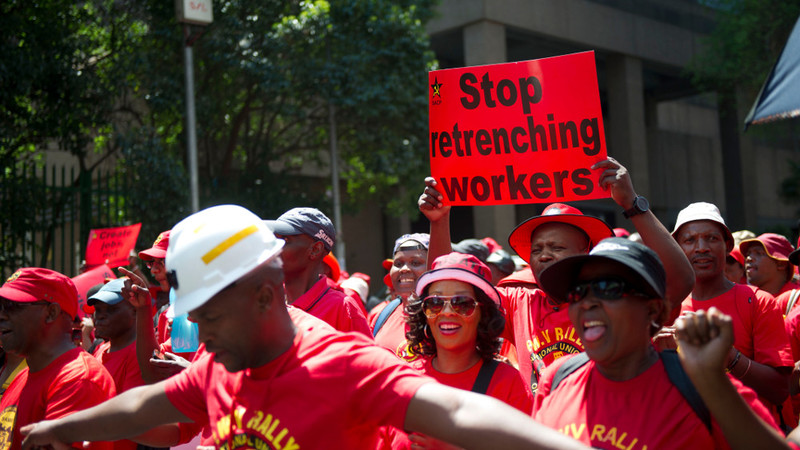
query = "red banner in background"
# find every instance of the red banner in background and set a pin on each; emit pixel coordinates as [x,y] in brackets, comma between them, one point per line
[86,280]
[523,132]
[111,246]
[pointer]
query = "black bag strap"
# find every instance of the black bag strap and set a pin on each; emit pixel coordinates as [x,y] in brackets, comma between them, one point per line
[680,380]
[573,364]
[387,311]
[485,376]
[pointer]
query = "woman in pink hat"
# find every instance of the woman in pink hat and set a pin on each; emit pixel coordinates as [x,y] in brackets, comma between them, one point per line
[454,323]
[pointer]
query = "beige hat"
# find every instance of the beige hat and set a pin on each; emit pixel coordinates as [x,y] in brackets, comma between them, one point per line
[703,211]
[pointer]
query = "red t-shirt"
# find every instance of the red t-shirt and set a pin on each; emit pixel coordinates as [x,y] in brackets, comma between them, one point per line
[786,288]
[329,389]
[540,330]
[124,369]
[333,306]
[392,334]
[646,412]
[758,327]
[122,366]
[506,385]
[758,330]
[72,382]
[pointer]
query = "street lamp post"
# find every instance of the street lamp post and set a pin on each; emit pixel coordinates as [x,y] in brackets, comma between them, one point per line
[192,12]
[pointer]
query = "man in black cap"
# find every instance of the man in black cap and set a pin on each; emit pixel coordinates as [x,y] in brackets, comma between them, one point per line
[309,236]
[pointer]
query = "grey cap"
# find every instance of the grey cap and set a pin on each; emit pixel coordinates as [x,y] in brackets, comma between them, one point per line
[309,221]
[502,260]
[472,247]
[110,293]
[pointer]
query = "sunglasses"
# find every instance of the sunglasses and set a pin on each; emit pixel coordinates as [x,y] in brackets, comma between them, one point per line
[603,289]
[9,307]
[155,263]
[433,305]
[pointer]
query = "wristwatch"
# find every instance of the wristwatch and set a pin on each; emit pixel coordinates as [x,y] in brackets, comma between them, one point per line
[640,206]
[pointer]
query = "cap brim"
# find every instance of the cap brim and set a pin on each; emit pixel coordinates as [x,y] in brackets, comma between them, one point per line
[452,273]
[746,244]
[282,228]
[110,298]
[520,238]
[557,279]
[152,253]
[15,295]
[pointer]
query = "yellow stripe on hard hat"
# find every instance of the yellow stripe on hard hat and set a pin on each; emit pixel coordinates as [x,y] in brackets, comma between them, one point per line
[228,243]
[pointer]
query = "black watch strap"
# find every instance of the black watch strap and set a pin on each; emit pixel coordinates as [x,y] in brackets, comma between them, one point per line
[640,206]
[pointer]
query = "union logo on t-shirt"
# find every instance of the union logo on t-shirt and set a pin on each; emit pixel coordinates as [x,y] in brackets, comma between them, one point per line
[7,419]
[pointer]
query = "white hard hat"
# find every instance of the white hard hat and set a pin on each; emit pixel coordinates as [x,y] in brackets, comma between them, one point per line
[211,249]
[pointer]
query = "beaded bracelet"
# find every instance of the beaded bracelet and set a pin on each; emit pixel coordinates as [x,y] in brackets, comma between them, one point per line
[733,363]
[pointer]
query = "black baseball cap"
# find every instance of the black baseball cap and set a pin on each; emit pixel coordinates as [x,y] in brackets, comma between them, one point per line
[560,277]
[308,221]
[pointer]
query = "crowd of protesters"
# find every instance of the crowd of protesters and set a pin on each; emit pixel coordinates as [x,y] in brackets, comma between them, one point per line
[586,336]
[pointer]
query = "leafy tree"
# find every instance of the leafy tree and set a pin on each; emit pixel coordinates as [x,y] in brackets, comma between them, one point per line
[738,57]
[104,78]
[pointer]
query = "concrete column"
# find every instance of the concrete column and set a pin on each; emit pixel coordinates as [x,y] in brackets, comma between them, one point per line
[626,134]
[485,43]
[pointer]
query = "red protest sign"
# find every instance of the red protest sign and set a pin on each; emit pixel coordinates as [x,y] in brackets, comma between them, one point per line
[111,245]
[86,280]
[523,132]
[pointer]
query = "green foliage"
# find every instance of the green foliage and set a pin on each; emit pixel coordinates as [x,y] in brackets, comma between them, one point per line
[158,197]
[746,42]
[105,79]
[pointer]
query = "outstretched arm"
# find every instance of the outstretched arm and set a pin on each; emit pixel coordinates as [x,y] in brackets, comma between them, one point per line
[137,294]
[680,275]
[122,417]
[478,421]
[705,339]
[438,214]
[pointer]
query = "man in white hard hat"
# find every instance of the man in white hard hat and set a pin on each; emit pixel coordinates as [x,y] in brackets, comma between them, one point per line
[276,377]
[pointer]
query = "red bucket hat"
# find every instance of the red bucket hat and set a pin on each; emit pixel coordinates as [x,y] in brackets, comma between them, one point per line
[159,248]
[32,284]
[776,246]
[596,229]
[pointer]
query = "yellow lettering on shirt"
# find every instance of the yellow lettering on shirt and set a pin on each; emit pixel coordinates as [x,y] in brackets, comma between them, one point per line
[255,420]
[597,432]
[265,425]
[612,436]
[259,424]
[559,334]
[238,413]
[546,334]
[573,431]
[533,345]
[223,427]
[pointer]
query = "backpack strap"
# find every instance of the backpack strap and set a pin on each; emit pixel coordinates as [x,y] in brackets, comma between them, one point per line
[387,311]
[485,376]
[792,300]
[573,364]
[681,381]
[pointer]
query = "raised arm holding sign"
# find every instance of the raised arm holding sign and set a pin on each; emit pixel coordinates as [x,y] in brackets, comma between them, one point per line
[532,132]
